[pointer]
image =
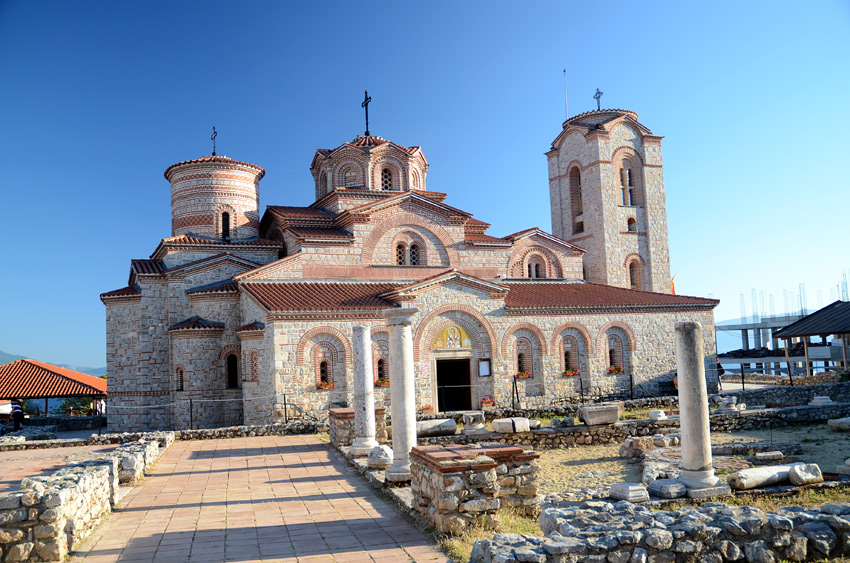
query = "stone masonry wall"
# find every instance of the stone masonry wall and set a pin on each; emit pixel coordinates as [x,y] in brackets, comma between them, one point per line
[341,426]
[602,532]
[455,486]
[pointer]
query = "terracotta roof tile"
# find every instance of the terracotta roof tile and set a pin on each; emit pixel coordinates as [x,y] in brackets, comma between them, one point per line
[320,296]
[147,267]
[218,287]
[219,159]
[30,379]
[189,240]
[256,325]
[299,212]
[485,238]
[196,323]
[520,233]
[316,232]
[128,291]
[584,295]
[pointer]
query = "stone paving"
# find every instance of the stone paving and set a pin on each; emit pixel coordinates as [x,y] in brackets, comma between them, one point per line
[270,498]
[18,464]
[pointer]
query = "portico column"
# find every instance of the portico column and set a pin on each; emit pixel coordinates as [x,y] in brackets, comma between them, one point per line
[402,392]
[364,394]
[697,469]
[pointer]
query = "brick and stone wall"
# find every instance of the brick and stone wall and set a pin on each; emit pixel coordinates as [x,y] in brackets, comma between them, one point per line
[455,486]
[341,426]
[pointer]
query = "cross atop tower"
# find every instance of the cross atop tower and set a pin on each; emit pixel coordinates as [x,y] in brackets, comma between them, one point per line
[598,97]
[365,104]
[212,138]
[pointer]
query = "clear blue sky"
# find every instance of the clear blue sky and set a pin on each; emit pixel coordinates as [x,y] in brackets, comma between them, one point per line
[99,98]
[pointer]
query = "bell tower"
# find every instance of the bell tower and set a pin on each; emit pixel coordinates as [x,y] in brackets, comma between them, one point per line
[606,189]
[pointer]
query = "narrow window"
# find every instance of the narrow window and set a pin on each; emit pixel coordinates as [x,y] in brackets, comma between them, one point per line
[179,379]
[537,270]
[631,179]
[529,271]
[386,179]
[568,359]
[400,255]
[570,353]
[634,275]
[414,255]
[632,225]
[381,373]
[615,351]
[350,178]
[575,199]
[232,363]
[612,357]
[225,225]
[323,372]
[622,177]
[520,362]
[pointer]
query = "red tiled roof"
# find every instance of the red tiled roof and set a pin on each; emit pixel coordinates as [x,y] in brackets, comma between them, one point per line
[219,159]
[30,379]
[520,233]
[375,141]
[186,239]
[485,238]
[299,212]
[219,287]
[128,291]
[316,232]
[145,266]
[196,323]
[256,325]
[319,296]
[585,295]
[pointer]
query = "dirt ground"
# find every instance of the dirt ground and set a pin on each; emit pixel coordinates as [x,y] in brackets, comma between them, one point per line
[593,466]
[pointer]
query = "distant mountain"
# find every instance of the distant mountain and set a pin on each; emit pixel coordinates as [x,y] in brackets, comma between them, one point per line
[5,358]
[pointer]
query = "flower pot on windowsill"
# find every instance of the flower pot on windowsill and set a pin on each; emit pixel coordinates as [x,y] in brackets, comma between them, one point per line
[615,369]
[486,404]
[523,375]
[324,386]
[382,383]
[571,373]
[427,409]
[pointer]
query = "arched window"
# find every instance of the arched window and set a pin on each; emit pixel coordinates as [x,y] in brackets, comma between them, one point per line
[571,353]
[324,377]
[536,267]
[179,379]
[634,275]
[232,368]
[615,351]
[624,187]
[386,179]
[382,373]
[524,356]
[414,255]
[575,200]
[350,177]
[631,224]
[414,179]
[400,255]
[323,184]
[520,362]
[225,225]
[530,271]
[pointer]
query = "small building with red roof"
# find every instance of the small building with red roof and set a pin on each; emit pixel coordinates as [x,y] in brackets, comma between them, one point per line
[235,312]
[31,379]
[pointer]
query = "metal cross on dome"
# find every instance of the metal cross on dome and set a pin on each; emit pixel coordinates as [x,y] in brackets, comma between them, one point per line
[598,96]
[212,138]
[365,104]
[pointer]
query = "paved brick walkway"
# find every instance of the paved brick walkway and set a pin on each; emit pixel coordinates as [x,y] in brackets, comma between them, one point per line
[270,498]
[18,464]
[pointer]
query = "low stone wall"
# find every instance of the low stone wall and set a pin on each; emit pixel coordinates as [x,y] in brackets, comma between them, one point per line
[552,438]
[794,394]
[64,423]
[455,486]
[601,532]
[341,426]
[52,513]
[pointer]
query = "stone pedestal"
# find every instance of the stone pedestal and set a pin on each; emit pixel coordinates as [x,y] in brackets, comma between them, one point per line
[632,492]
[697,469]
[820,400]
[364,394]
[402,392]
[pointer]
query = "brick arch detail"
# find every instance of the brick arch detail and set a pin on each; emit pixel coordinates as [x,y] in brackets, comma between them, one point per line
[519,258]
[379,329]
[629,150]
[341,166]
[459,308]
[601,337]
[544,349]
[307,336]
[400,220]
[234,349]
[558,334]
[396,166]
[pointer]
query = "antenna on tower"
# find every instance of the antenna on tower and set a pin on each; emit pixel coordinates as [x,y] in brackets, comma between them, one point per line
[566,107]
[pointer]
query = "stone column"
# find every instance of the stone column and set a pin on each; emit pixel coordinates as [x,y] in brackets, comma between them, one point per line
[697,470]
[364,394]
[402,392]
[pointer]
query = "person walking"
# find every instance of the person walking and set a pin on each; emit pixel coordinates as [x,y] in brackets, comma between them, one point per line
[17,414]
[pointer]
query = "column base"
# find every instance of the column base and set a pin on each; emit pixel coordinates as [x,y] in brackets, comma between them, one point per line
[708,492]
[362,447]
[397,474]
[698,479]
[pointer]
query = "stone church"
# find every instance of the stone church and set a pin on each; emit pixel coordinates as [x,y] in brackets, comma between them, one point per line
[236,314]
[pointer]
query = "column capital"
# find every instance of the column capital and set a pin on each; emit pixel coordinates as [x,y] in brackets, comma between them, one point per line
[400,316]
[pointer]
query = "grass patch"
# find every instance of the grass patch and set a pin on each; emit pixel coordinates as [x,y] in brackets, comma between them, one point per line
[458,548]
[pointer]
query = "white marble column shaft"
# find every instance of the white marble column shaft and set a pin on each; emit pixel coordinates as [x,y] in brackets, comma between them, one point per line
[364,394]
[697,468]
[402,392]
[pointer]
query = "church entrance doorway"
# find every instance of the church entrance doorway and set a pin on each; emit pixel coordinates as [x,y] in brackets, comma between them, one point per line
[454,392]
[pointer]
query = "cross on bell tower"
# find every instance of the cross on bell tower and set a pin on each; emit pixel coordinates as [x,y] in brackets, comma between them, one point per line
[365,104]
[598,97]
